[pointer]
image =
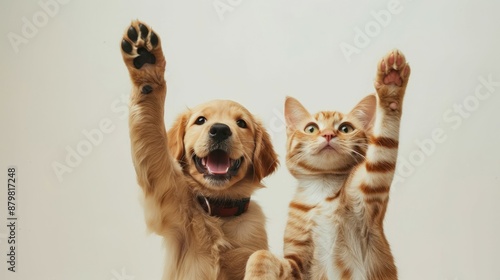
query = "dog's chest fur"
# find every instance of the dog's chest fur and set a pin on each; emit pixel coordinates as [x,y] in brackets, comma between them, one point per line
[212,247]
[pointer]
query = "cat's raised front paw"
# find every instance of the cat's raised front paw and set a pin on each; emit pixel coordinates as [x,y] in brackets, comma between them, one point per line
[392,77]
[392,70]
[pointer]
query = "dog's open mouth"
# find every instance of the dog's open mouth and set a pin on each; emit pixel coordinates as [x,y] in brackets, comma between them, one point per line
[217,164]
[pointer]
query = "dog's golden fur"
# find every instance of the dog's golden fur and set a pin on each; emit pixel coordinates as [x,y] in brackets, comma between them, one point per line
[199,246]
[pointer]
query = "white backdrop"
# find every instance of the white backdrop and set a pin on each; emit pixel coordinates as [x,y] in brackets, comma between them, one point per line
[63,79]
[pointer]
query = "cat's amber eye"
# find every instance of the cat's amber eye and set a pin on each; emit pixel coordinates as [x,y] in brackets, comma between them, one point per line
[346,128]
[311,128]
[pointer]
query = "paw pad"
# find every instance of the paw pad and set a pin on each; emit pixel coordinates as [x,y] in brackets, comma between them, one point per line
[143,58]
[132,34]
[139,42]
[144,31]
[393,69]
[126,46]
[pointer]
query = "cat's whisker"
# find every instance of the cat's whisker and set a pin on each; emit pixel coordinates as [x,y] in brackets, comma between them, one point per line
[353,151]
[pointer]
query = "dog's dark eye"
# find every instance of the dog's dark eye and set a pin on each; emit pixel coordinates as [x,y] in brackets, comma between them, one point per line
[241,123]
[200,120]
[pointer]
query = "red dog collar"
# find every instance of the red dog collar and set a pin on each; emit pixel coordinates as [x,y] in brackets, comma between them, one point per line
[224,207]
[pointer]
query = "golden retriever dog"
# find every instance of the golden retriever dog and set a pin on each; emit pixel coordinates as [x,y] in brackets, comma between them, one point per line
[198,177]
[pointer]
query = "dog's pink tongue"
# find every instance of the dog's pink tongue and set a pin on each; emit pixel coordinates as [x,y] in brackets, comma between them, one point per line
[218,162]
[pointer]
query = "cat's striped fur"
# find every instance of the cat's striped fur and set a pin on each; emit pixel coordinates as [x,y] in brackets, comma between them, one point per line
[344,165]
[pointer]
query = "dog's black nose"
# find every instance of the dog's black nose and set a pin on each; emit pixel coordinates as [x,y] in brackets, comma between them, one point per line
[219,132]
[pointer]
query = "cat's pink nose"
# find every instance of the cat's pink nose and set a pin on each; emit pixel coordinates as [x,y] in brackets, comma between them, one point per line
[328,136]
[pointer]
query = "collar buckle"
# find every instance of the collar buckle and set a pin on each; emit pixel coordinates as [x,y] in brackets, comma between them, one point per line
[224,207]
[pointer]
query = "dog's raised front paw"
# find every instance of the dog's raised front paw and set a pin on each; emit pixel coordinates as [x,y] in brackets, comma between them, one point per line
[142,54]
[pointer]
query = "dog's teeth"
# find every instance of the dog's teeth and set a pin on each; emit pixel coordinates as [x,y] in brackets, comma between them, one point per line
[204,161]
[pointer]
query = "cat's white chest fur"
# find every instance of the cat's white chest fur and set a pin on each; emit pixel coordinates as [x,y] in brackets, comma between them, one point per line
[315,192]
[325,236]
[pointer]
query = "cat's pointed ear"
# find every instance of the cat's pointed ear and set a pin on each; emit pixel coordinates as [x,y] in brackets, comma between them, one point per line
[295,113]
[365,110]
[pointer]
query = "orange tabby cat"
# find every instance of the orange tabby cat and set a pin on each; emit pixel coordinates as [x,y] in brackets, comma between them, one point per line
[344,164]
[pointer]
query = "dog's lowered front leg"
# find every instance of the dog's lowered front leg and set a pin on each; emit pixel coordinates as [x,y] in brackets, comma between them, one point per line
[157,171]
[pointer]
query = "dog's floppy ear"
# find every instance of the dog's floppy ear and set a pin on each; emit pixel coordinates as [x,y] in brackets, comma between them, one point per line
[176,137]
[265,160]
